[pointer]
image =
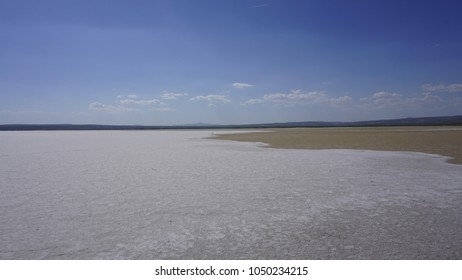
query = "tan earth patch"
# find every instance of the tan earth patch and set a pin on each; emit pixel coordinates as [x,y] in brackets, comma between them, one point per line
[444,140]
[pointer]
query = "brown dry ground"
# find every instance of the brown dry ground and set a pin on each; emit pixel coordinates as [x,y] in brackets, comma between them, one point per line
[442,140]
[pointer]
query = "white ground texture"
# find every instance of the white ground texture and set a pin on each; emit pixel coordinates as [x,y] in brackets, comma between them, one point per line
[176,195]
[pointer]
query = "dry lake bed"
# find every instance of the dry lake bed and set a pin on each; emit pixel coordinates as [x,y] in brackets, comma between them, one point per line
[179,195]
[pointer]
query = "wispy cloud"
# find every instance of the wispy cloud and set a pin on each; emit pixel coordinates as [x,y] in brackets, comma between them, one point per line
[384,98]
[394,101]
[131,99]
[242,85]
[161,109]
[299,97]
[139,102]
[385,95]
[129,103]
[172,95]
[212,98]
[442,88]
[107,108]
[296,96]
[340,100]
[253,101]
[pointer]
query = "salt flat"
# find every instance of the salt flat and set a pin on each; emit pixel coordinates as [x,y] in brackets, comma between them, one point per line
[176,195]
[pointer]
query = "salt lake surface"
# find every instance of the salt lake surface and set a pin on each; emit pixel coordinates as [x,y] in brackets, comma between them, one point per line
[176,195]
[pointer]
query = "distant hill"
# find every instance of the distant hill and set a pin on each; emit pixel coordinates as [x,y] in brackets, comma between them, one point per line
[425,121]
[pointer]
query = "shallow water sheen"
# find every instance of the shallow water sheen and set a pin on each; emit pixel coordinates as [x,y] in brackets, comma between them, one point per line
[176,195]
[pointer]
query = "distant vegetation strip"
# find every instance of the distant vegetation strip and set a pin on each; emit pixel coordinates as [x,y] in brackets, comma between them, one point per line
[425,121]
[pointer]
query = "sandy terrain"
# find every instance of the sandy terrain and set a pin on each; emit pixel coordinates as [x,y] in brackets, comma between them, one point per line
[445,141]
[176,195]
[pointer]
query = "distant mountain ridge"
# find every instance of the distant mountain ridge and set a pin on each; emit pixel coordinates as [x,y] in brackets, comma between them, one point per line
[424,121]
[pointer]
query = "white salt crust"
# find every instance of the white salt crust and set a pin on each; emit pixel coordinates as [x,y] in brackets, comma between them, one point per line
[176,195]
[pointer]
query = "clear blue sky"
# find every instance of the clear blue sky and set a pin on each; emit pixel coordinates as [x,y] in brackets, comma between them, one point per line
[228,61]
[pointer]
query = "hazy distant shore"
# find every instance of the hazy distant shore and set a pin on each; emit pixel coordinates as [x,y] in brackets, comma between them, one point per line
[441,140]
[422,121]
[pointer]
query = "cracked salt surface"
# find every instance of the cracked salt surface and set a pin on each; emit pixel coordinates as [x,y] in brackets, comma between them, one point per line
[176,195]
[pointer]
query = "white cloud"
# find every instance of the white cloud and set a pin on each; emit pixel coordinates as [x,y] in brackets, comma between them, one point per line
[211,105]
[242,85]
[396,102]
[340,100]
[384,94]
[455,88]
[383,99]
[428,96]
[100,107]
[298,97]
[129,101]
[172,95]
[132,99]
[253,101]
[426,99]
[442,88]
[212,98]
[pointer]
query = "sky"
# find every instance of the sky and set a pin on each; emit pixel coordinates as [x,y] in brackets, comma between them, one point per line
[170,62]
